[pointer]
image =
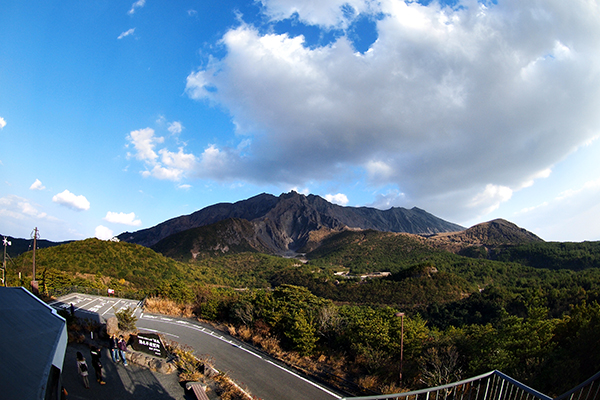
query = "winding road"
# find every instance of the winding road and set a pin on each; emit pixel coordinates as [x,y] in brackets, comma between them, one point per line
[264,377]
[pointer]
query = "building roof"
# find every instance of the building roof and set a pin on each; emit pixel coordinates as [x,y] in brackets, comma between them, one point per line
[33,338]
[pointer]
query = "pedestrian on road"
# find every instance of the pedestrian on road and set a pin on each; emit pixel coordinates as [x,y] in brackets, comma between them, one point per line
[122,349]
[97,364]
[114,349]
[82,369]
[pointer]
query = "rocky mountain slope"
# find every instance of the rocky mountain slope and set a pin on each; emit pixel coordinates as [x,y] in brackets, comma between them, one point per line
[483,237]
[287,223]
[229,236]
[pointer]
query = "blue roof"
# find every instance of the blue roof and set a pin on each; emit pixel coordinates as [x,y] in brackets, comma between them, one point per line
[33,337]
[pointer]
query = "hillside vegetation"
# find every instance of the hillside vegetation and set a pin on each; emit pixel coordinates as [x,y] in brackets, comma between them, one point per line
[551,255]
[530,316]
[131,267]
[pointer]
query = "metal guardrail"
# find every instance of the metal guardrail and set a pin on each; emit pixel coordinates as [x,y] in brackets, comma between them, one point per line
[588,390]
[492,385]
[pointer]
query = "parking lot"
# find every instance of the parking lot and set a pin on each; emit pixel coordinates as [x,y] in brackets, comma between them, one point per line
[96,308]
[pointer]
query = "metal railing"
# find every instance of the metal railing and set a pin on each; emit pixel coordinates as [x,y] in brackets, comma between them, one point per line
[492,385]
[588,390]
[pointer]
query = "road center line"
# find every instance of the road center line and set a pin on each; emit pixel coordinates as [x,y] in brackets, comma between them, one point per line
[221,338]
[157,331]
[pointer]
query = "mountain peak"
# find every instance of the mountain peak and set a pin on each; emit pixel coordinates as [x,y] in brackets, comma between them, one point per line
[489,234]
[284,223]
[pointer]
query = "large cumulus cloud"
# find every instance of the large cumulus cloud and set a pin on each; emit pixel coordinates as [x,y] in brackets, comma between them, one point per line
[456,106]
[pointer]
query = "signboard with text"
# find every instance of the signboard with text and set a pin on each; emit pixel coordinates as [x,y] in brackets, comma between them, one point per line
[149,343]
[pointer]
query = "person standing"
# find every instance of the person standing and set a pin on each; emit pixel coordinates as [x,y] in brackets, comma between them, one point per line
[97,364]
[122,349]
[114,349]
[82,368]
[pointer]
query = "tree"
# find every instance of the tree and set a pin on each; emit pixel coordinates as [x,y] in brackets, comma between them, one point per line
[126,319]
[301,333]
[440,365]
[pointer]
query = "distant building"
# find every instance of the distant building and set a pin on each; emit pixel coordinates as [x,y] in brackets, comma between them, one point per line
[33,343]
[346,274]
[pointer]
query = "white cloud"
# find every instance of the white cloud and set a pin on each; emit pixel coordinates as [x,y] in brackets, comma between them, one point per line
[214,161]
[126,33]
[590,186]
[184,186]
[539,175]
[379,171]
[162,173]
[491,198]
[329,13]
[339,199]
[122,218]
[175,127]
[197,85]
[18,217]
[569,216]
[181,160]
[136,5]
[2,122]
[37,185]
[391,198]
[163,164]
[19,208]
[446,101]
[305,191]
[144,142]
[74,202]
[103,233]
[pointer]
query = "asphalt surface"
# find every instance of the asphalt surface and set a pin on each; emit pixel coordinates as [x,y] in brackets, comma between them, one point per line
[95,308]
[263,376]
[122,383]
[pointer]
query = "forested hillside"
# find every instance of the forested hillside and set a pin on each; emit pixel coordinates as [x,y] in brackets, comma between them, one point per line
[552,255]
[467,314]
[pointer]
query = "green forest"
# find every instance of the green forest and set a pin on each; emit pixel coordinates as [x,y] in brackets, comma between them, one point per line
[531,311]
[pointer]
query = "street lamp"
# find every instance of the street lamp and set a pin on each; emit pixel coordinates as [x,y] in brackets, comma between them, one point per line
[401,315]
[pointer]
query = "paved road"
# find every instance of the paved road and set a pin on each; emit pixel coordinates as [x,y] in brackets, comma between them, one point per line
[263,376]
[97,308]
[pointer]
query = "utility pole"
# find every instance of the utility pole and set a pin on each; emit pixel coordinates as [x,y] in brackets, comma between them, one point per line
[6,243]
[34,283]
[401,315]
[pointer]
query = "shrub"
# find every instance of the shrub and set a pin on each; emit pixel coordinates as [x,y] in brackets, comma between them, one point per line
[126,319]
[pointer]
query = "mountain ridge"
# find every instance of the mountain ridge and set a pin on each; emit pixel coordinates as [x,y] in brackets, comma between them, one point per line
[479,239]
[284,224]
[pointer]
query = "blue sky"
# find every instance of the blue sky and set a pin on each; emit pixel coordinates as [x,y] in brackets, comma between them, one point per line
[118,115]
